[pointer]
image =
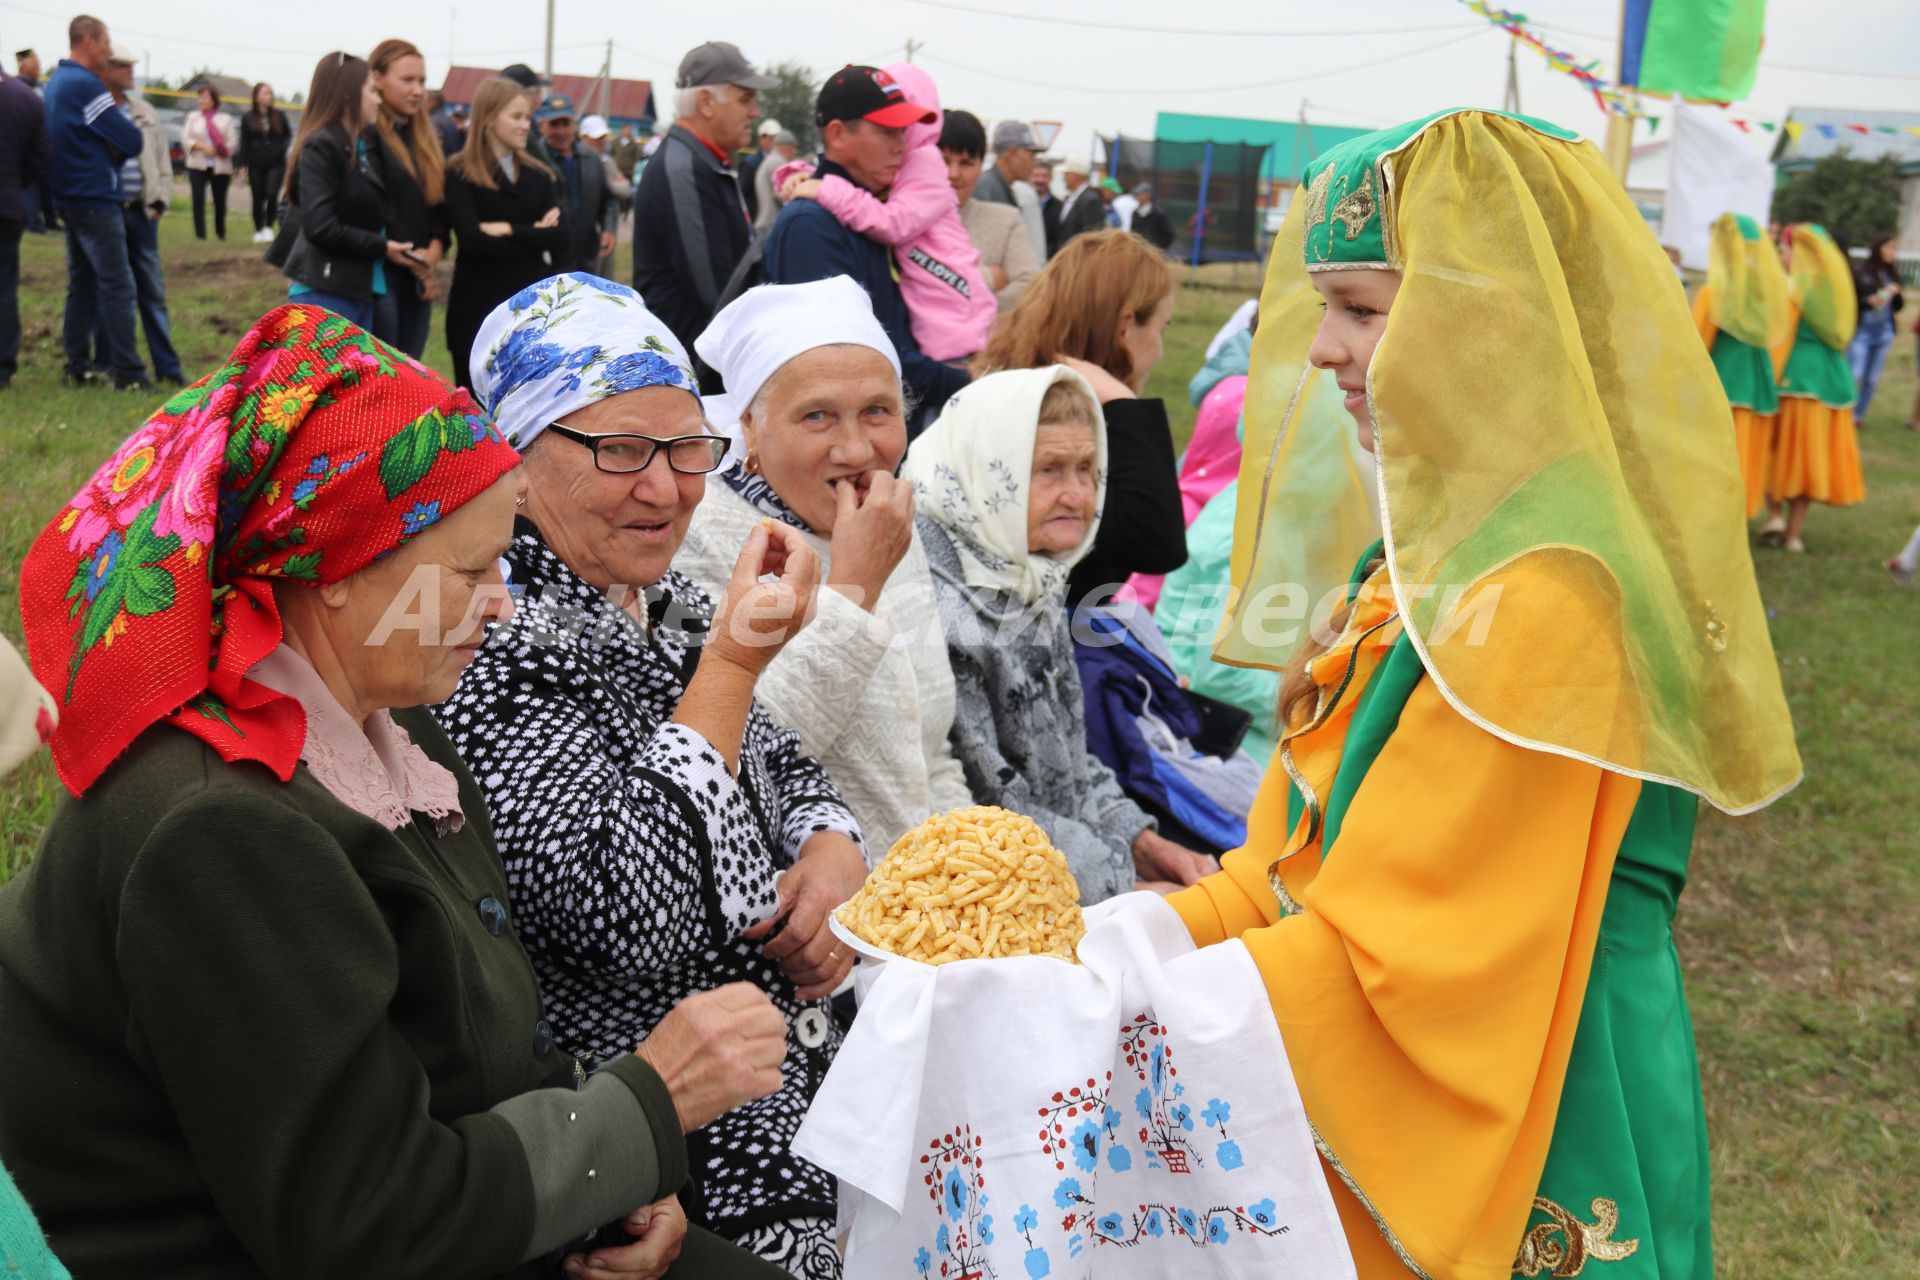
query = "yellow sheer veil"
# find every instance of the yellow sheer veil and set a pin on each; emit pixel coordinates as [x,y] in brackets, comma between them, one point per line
[1543,411]
[1751,298]
[1823,286]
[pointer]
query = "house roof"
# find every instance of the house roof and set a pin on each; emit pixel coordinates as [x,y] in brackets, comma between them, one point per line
[1830,130]
[1289,148]
[627,99]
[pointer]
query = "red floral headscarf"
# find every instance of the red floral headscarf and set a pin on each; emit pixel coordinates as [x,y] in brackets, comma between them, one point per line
[313,451]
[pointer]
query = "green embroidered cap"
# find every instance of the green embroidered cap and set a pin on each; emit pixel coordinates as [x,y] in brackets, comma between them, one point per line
[1749,229]
[1347,224]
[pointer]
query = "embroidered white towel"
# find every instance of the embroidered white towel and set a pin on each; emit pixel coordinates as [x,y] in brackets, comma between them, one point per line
[1021,1119]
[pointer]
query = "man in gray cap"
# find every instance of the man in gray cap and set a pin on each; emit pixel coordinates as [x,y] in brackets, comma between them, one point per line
[1149,221]
[690,226]
[785,148]
[1014,151]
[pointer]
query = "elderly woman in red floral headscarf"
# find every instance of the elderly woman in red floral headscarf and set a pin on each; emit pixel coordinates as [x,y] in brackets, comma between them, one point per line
[262,1009]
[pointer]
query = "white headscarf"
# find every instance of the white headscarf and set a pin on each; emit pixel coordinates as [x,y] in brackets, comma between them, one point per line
[763,328]
[563,344]
[972,472]
[27,711]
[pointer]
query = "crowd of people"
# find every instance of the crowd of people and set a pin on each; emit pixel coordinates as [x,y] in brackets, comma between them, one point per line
[461,776]
[554,187]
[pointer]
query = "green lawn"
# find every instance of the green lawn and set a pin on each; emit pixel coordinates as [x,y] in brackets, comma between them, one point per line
[1801,931]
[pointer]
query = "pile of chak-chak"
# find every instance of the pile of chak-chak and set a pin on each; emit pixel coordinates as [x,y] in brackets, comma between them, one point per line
[978,883]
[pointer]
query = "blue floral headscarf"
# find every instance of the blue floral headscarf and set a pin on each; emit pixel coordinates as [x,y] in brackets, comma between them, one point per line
[563,344]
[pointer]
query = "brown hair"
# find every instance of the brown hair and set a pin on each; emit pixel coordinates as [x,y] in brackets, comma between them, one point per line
[1075,306]
[1297,688]
[276,123]
[84,27]
[420,155]
[476,163]
[213,95]
[332,99]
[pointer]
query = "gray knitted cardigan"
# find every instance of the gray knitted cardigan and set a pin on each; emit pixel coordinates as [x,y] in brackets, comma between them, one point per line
[1020,724]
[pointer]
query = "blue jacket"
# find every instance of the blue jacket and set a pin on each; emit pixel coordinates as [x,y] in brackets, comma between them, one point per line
[809,243]
[90,139]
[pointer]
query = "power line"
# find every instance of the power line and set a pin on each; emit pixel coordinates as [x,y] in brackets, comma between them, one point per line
[1175,31]
[1211,88]
[227,46]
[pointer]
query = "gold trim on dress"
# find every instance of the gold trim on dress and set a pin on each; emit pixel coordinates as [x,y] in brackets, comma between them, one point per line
[1386,1233]
[1323,709]
[1564,1246]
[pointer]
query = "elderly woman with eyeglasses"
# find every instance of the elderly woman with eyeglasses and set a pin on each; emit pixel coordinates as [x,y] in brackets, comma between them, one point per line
[662,835]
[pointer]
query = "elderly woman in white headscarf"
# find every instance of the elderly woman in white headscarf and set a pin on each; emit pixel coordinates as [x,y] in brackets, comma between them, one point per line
[662,835]
[814,402]
[1010,483]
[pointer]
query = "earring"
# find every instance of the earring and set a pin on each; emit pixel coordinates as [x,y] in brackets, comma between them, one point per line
[753,463]
[520,501]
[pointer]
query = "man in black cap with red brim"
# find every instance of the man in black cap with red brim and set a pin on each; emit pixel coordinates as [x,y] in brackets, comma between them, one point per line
[863,116]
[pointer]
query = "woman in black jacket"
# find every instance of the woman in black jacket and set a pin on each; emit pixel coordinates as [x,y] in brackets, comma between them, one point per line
[504,213]
[415,170]
[1101,307]
[1878,287]
[340,256]
[264,135]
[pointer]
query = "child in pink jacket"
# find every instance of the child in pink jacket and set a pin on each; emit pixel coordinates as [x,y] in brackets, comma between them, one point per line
[949,302]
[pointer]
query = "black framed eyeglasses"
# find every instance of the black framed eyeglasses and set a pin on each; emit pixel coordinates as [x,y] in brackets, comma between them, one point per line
[624,454]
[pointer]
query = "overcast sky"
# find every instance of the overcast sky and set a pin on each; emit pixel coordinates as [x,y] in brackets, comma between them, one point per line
[999,67]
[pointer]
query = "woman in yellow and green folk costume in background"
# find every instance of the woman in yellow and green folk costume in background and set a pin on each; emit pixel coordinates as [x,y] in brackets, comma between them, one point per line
[1816,452]
[1743,312]
[1459,883]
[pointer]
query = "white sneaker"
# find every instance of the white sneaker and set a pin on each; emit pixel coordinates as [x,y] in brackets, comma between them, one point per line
[262,236]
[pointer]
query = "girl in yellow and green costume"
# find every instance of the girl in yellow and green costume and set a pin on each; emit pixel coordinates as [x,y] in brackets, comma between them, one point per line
[1744,311]
[1816,455]
[1460,877]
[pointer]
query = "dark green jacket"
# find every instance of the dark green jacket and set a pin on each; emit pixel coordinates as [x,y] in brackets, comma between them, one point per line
[245,1030]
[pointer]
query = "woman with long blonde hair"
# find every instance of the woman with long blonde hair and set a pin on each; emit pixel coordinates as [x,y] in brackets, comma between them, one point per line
[1101,308]
[504,214]
[416,185]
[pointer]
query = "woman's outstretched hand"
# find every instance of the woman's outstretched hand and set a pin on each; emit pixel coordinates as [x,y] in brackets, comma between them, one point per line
[756,618]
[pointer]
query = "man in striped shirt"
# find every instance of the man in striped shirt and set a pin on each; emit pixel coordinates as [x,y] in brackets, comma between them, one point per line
[91,139]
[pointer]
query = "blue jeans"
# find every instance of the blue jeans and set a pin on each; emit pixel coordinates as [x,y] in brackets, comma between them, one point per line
[1868,354]
[150,289]
[100,290]
[401,317]
[9,301]
[358,310]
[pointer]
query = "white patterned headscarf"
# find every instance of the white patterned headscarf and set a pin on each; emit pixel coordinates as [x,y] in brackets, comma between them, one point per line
[565,343]
[972,472]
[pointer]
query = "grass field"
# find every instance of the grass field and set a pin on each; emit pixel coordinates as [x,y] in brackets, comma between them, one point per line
[1801,930]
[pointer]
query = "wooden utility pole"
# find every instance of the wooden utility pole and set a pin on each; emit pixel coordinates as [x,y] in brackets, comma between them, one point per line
[914,46]
[549,83]
[1619,144]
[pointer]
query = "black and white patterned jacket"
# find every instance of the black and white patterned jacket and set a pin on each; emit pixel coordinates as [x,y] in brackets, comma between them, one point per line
[635,859]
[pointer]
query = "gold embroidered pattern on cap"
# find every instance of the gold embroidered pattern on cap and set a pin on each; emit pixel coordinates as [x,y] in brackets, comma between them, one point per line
[1317,204]
[1564,1246]
[1357,207]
